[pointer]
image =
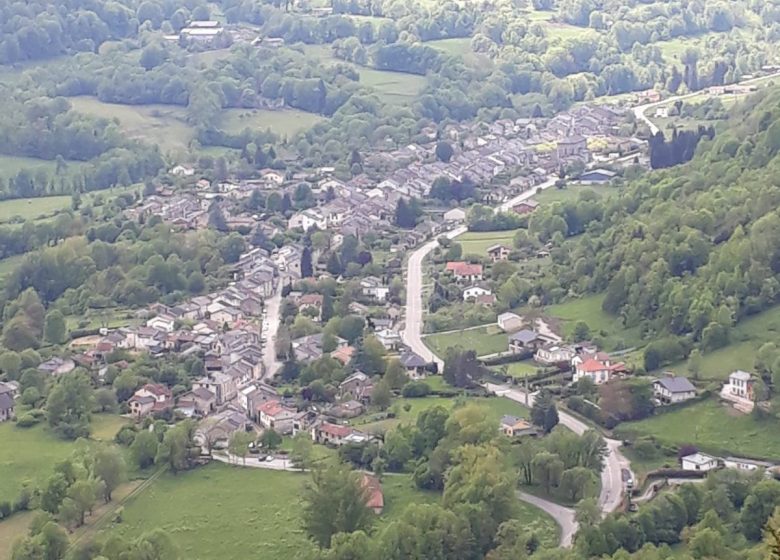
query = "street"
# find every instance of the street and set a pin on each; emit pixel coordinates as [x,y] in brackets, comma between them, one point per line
[270,326]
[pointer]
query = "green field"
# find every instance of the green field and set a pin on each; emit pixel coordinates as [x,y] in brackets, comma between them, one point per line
[12,530]
[602,325]
[32,208]
[477,242]
[518,370]
[497,407]
[11,165]
[164,125]
[104,427]
[485,340]
[564,31]
[27,455]
[220,511]
[712,427]
[286,122]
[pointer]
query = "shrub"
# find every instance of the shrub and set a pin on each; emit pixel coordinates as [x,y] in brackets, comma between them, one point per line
[27,420]
[416,389]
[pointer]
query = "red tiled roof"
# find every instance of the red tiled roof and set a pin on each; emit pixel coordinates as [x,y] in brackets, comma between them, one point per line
[157,389]
[310,299]
[335,430]
[591,365]
[343,354]
[375,499]
[460,268]
[272,408]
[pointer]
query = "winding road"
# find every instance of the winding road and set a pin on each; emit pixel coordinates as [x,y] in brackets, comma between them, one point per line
[611,476]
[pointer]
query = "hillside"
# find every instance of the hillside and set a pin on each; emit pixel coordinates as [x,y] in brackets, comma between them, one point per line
[687,251]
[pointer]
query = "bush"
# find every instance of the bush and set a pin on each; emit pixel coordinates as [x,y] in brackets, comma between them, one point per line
[27,420]
[5,510]
[126,436]
[646,449]
[416,389]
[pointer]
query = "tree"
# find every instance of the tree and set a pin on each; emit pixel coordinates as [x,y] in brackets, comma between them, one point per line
[143,450]
[69,405]
[81,497]
[105,399]
[307,271]
[10,364]
[369,356]
[581,331]
[695,363]
[335,502]
[543,412]
[176,448]
[547,468]
[109,467]
[578,482]
[238,445]
[381,395]
[270,439]
[461,368]
[395,374]
[55,331]
[302,450]
[587,512]
[444,151]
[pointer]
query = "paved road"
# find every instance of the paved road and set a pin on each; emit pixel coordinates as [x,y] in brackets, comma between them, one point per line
[641,110]
[563,516]
[614,462]
[414,293]
[269,329]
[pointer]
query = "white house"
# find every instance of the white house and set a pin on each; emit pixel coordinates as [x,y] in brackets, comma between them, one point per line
[739,391]
[550,354]
[163,322]
[742,464]
[699,462]
[372,287]
[671,389]
[598,367]
[509,322]
[455,215]
[182,171]
[473,292]
[272,176]
[389,338]
[274,416]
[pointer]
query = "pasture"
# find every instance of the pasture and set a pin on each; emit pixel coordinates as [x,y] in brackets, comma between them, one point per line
[712,427]
[32,208]
[286,122]
[477,242]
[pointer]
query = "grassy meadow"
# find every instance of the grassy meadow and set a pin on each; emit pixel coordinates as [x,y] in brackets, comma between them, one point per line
[32,208]
[477,242]
[286,122]
[713,427]
[572,193]
[484,340]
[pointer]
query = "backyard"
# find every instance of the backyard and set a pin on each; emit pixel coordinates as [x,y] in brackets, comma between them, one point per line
[484,340]
[477,242]
[518,370]
[712,427]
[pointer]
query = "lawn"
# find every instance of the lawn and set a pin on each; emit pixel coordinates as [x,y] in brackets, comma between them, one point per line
[485,340]
[712,427]
[497,407]
[572,193]
[32,208]
[518,370]
[459,46]
[564,31]
[286,122]
[104,427]
[218,511]
[11,165]
[164,125]
[27,455]
[477,242]
[602,325]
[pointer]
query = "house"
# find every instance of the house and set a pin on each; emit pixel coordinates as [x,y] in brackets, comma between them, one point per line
[699,462]
[473,292]
[182,171]
[313,302]
[416,367]
[198,402]
[742,464]
[372,287]
[456,215]
[498,252]
[162,322]
[512,426]
[389,338]
[465,272]
[223,386]
[597,176]
[149,399]
[552,354]
[357,386]
[739,391]
[671,389]
[215,431]
[525,206]
[509,322]
[598,367]
[274,416]
[347,409]
[343,354]
[10,388]
[335,435]
[309,348]
[488,300]
[57,366]
[525,340]
[7,407]
[372,488]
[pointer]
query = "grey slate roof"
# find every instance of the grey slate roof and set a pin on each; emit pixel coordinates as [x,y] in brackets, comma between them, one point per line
[6,402]
[676,384]
[524,336]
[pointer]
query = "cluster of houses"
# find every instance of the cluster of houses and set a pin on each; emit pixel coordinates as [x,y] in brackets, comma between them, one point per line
[9,391]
